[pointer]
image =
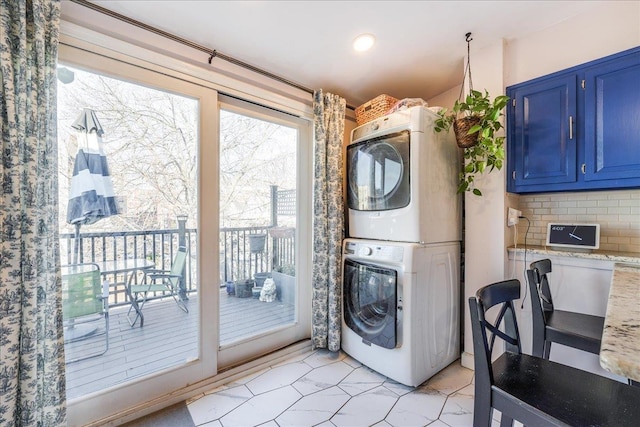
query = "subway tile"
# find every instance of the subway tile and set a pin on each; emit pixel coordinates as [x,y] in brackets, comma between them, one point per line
[618,210]
[587,204]
[629,202]
[567,204]
[608,203]
[619,240]
[619,195]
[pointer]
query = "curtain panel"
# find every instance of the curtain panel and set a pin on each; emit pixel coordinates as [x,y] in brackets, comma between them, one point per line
[32,380]
[328,220]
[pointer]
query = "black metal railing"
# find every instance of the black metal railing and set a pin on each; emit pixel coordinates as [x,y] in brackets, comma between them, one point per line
[244,251]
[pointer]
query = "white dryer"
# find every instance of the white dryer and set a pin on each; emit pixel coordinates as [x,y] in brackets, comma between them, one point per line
[400,313]
[402,180]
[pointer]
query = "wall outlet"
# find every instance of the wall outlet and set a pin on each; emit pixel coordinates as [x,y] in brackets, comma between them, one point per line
[513,217]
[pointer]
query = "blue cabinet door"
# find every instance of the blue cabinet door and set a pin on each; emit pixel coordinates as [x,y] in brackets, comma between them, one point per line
[577,129]
[543,134]
[612,131]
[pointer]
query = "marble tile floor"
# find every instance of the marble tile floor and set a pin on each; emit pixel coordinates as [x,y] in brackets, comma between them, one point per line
[323,388]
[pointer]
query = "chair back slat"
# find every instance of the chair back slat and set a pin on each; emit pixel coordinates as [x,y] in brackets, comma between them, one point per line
[485,332]
[178,264]
[81,290]
[540,270]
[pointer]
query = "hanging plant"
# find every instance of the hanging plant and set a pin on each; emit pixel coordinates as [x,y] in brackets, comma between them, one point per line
[475,120]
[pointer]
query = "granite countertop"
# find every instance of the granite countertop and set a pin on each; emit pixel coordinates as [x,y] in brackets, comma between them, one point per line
[620,350]
[618,257]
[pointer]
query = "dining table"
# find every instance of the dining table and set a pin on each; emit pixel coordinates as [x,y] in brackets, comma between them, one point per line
[129,267]
[620,349]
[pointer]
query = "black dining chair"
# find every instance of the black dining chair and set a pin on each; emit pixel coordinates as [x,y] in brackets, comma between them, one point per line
[532,390]
[577,330]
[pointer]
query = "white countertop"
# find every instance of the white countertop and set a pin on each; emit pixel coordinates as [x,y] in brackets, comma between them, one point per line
[620,349]
[618,257]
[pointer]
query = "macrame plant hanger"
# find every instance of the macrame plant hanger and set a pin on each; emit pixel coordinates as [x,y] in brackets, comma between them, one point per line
[462,125]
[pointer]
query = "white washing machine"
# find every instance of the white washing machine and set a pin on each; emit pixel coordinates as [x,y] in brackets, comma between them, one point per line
[400,313]
[402,179]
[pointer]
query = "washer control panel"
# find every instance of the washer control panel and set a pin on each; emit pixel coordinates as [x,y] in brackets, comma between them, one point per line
[371,251]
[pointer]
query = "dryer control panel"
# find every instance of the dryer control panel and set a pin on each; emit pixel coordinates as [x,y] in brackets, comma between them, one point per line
[388,253]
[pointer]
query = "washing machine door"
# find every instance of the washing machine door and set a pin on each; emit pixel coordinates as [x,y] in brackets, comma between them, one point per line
[378,173]
[370,302]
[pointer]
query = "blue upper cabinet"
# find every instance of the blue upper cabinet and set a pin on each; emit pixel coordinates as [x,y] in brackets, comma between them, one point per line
[543,142]
[612,135]
[577,129]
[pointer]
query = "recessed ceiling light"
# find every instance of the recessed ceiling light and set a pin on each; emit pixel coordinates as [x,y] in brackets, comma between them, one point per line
[364,42]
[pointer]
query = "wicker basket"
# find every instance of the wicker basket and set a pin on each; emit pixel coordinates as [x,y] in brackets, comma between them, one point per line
[461,129]
[373,109]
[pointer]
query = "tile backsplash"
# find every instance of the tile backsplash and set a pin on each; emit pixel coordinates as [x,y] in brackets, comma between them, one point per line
[617,212]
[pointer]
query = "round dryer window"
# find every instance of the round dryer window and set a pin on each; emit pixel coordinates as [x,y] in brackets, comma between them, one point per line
[379,173]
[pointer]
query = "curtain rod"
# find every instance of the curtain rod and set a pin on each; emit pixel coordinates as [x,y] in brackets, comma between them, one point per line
[213,53]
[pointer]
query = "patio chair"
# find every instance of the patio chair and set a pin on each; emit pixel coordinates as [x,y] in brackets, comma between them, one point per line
[84,306]
[165,281]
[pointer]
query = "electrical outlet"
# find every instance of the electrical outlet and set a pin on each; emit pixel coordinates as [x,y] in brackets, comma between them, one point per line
[513,217]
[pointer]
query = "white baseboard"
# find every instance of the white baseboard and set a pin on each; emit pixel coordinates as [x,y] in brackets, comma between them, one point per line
[467,360]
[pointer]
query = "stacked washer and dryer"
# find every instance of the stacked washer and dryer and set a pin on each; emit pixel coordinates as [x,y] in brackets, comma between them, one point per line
[401,260]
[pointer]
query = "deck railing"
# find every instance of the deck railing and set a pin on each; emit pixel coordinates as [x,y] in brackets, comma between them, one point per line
[241,256]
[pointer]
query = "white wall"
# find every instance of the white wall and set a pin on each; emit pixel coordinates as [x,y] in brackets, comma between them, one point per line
[603,30]
[485,215]
[608,28]
[227,78]
[446,99]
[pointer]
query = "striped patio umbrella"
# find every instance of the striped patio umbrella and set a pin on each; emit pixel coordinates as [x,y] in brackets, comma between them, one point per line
[91,195]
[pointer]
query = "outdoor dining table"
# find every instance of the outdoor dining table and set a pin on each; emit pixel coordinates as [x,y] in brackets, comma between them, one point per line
[128,267]
[620,350]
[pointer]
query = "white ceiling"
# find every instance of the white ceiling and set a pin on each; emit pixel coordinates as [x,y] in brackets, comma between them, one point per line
[420,44]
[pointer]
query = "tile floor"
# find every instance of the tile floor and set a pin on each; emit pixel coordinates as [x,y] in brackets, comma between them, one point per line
[322,388]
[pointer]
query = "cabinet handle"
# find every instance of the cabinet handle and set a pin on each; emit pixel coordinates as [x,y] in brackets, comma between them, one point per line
[584,169]
[570,127]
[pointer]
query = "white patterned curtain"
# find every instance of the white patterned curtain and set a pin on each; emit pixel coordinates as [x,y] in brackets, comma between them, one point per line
[328,219]
[32,380]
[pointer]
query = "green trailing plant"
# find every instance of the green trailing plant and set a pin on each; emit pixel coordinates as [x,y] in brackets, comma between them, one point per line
[487,151]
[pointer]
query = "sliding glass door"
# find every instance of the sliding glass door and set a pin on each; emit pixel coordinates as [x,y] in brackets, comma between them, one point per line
[264,171]
[135,152]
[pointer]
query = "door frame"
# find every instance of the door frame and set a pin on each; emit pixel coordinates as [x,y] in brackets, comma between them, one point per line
[241,351]
[132,396]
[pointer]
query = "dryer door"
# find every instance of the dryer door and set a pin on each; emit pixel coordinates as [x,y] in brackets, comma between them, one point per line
[370,302]
[378,173]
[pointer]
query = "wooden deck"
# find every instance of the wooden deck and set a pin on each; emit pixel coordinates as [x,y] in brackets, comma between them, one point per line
[168,338]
